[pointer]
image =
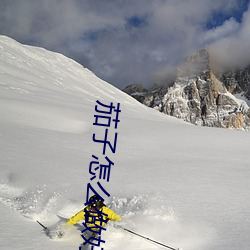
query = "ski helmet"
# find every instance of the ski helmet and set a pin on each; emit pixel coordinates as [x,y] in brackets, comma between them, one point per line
[96,202]
[94,198]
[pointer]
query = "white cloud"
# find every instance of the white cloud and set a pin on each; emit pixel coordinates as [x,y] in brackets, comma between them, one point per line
[228,28]
[233,50]
[97,32]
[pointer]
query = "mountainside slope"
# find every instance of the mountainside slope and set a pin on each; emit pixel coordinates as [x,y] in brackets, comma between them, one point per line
[182,185]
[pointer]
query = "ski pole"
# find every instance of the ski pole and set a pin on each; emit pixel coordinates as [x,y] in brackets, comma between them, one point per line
[150,239]
[45,228]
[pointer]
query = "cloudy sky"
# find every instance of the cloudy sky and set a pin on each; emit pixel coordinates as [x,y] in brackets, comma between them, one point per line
[131,41]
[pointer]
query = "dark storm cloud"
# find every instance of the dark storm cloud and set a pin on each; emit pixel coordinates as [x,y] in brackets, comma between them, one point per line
[132,41]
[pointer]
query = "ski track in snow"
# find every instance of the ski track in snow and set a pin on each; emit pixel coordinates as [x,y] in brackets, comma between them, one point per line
[32,204]
[144,214]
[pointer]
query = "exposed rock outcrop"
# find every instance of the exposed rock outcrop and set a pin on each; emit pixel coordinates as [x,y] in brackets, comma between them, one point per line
[201,97]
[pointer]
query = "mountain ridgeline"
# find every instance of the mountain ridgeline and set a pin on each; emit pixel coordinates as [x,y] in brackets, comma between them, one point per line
[201,95]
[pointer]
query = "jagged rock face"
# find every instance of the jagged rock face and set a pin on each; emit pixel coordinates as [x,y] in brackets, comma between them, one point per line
[199,97]
[205,102]
[237,81]
[137,91]
[133,88]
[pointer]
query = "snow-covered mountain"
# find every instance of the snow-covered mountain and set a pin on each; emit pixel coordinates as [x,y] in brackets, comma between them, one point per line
[201,96]
[182,185]
[237,81]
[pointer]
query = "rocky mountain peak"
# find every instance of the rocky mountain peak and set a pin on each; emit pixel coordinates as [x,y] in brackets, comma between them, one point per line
[196,64]
[200,96]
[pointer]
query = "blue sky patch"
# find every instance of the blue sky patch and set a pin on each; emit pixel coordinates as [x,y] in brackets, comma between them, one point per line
[219,17]
[136,21]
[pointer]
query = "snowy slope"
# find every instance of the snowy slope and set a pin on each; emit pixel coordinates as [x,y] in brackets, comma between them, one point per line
[182,185]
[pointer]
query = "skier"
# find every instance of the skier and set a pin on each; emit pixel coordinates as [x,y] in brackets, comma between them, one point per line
[95,215]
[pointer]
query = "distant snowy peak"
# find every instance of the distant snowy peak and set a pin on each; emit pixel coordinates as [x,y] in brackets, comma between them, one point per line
[200,96]
[197,64]
[235,80]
